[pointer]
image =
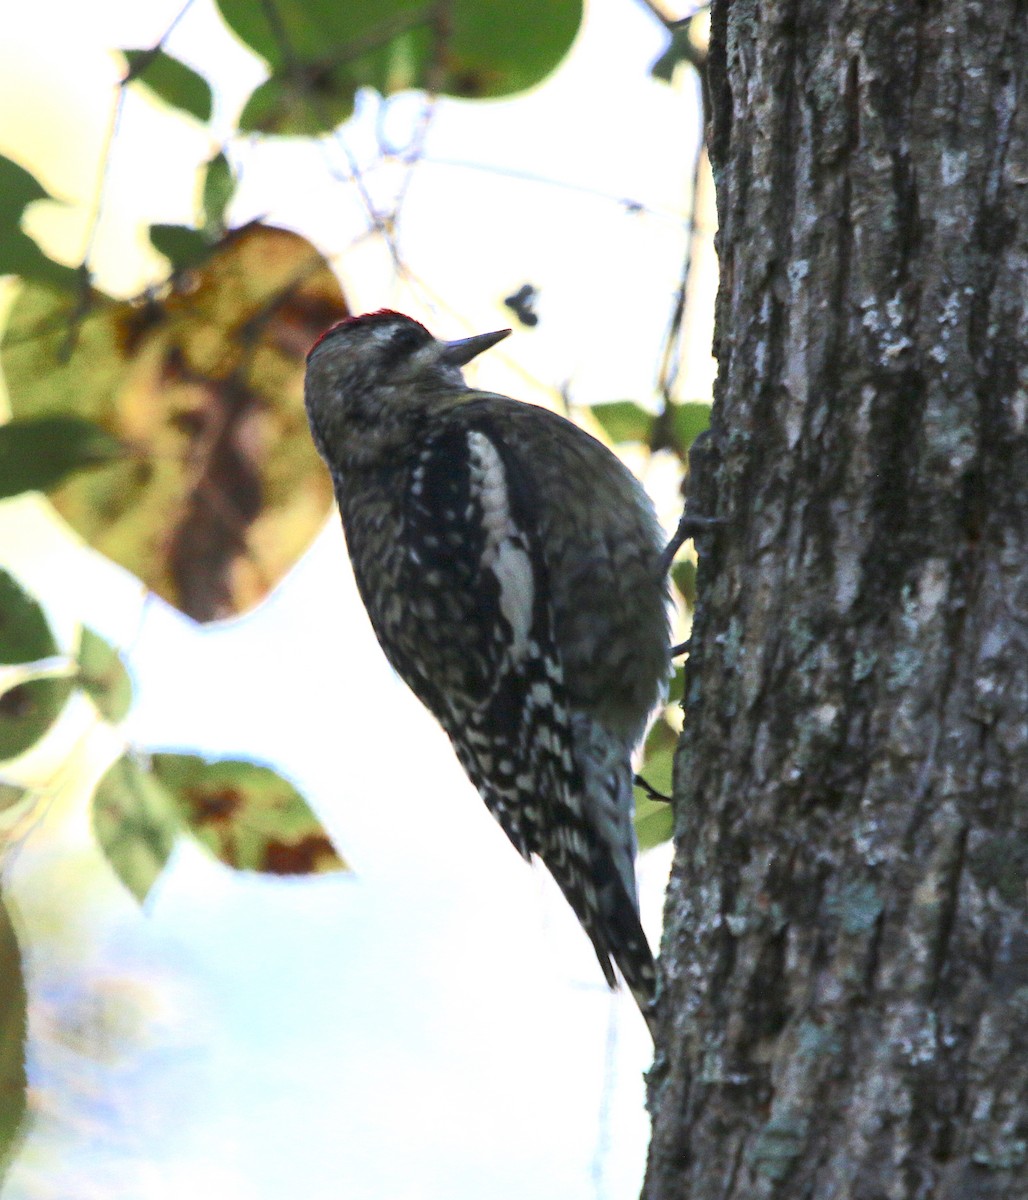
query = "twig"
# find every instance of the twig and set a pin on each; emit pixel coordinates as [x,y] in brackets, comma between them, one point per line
[651,791]
[688,527]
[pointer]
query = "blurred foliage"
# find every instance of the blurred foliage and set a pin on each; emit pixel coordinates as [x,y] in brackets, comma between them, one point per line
[24,633]
[19,254]
[181,245]
[675,428]
[27,711]
[168,430]
[687,43]
[28,707]
[220,489]
[10,795]
[243,813]
[134,824]
[321,52]
[654,818]
[624,421]
[174,82]
[13,1026]
[103,677]
[683,576]
[41,452]
[219,185]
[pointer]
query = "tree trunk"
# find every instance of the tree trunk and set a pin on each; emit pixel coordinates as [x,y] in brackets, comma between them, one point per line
[844,1005]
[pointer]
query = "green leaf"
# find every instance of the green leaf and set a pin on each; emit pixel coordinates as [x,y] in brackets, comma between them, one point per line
[25,636]
[689,420]
[38,453]
[680,48]
[219,186]
[171,80]
[683,575]
[102,676]
[58,361]
[654,819]
[322,51]
[27,712]
[13,1031]
[657,767]
[243,813]
[19,254]
[18,189]
[280,106]
[246,815]
[135,824]
[10,795]
[624,421]
[183,246]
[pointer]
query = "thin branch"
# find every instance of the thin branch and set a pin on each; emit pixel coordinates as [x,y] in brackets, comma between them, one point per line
[669,22]
[435,76]
[671,356]
[651,791]
[100,194]
[112,132]
[415,152]
[103,178]
[655,10]
[633,206]
[688,527]
[299,72]
[148,56]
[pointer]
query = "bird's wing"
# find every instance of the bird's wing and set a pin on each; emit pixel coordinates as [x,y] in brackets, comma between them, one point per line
[479,581]
[476,584]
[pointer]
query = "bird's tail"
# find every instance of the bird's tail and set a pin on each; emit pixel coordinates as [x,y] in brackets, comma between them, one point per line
[614,926]
[625,942]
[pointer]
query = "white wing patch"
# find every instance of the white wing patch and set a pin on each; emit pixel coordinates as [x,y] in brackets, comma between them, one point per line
[505,553]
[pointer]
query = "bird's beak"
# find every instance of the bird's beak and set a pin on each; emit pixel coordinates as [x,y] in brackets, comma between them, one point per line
[456,354]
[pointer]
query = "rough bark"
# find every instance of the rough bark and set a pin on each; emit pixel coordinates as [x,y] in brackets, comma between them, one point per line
[845,962]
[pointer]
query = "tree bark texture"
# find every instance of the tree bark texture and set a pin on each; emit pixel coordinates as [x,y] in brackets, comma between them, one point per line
[844,1007]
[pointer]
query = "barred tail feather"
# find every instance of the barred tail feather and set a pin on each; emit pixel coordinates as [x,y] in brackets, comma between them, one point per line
[613,926]
[630,950]
[605,762]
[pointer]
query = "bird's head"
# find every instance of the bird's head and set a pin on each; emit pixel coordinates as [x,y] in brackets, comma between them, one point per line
[371,380]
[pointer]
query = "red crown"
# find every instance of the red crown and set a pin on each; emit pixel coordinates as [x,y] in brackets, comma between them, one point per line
[371,318]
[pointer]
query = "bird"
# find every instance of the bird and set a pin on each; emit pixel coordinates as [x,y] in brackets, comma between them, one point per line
[511,567]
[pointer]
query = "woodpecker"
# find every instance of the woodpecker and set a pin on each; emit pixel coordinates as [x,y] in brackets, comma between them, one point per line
[511,567]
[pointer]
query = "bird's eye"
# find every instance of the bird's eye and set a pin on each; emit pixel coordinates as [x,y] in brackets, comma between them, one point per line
[405,338]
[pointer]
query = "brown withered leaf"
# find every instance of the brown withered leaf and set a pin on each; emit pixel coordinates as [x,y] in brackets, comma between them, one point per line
[243,813]
[222,489]
[246,815]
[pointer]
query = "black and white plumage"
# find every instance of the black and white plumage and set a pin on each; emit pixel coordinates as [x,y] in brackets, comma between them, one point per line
[511,568]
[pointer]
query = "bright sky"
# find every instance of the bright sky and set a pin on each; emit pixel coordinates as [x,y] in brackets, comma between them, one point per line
[434,1024]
